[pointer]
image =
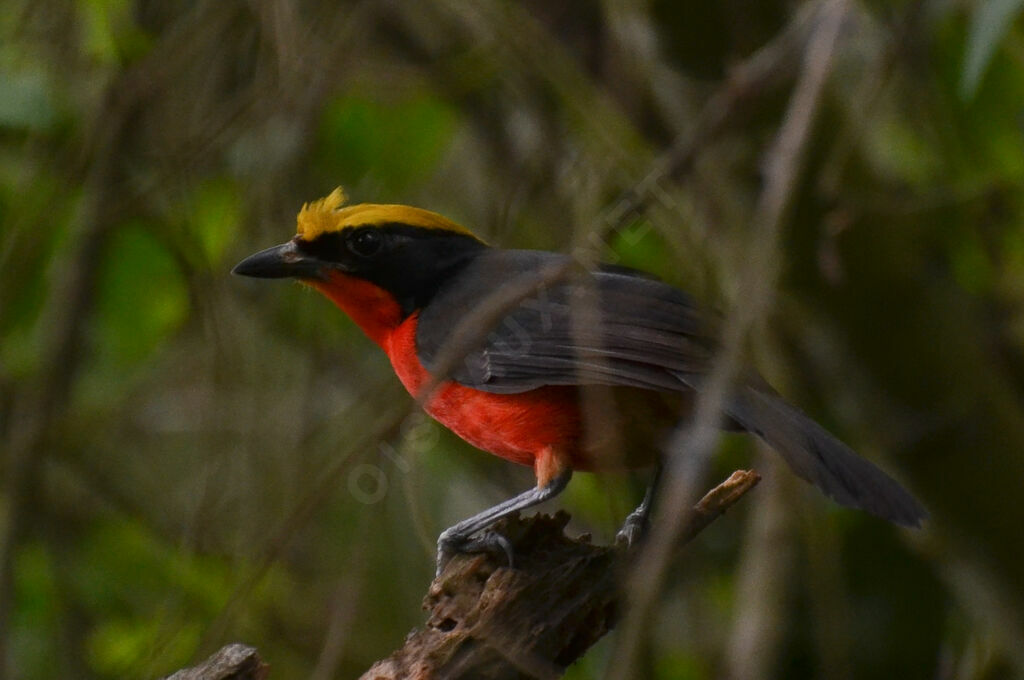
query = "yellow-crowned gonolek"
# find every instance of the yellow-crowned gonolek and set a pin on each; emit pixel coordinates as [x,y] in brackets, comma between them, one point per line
[407,277]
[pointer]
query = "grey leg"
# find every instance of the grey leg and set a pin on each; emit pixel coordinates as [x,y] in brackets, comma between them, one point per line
[458,538]
[635,526]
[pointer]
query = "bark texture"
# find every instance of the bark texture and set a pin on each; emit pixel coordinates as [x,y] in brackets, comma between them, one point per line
[490,621]
[233,662]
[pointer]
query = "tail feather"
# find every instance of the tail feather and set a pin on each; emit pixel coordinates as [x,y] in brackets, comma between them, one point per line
[823,460]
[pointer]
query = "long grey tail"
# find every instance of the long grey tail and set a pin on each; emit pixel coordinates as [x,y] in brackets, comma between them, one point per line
[823,460]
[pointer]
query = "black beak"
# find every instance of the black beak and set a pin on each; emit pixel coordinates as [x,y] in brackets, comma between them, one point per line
[280,262]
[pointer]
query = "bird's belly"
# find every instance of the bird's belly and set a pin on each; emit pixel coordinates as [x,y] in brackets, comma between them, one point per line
[519,427]
[516,427]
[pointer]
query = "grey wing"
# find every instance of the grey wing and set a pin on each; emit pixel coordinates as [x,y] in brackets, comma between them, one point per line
[617,328]
[642,333]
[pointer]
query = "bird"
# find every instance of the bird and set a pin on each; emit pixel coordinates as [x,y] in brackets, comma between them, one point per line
[418,284]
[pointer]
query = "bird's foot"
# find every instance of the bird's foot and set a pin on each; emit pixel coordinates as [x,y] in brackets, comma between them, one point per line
[633,530]
[450,544]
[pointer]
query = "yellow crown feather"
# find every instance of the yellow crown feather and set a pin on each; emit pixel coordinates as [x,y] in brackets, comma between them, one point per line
[331,214]
[320,216]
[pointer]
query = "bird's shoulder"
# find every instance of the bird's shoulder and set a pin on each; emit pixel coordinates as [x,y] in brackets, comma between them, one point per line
[535,318]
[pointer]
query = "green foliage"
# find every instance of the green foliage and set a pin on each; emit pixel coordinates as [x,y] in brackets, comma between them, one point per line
[121,647]
[214,217]
[142,297]
[39,613]
[682,666]
[23,300]
[123,571]
[391,142]
[110,36]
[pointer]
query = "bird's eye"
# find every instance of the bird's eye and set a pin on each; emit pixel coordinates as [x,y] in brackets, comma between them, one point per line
[365,242]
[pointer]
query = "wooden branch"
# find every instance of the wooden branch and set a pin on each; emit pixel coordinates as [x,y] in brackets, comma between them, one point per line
[489,622]
[233,662]
[716,502]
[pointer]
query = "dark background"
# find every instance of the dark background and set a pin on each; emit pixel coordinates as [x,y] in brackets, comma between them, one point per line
[189,458]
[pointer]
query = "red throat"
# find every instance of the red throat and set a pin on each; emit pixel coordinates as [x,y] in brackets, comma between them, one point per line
[372,308]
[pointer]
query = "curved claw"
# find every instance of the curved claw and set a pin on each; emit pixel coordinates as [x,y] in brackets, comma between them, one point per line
[492,541]
[449,545]
[457,538]
[632,530]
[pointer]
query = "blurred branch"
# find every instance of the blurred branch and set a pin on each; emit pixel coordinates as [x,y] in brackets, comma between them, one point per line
[291,524]
[904,34]
[767,68]
[767,557]
[39,416]
[232,662]
[489,621]
[692,446]
[103,160]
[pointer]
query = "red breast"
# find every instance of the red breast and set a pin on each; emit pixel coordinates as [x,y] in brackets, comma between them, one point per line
[514,426]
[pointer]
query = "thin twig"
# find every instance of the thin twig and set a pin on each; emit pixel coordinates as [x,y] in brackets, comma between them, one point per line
[715,503]
[44,409]
[282,535]
[693,445]
[759,72]
[767,552]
